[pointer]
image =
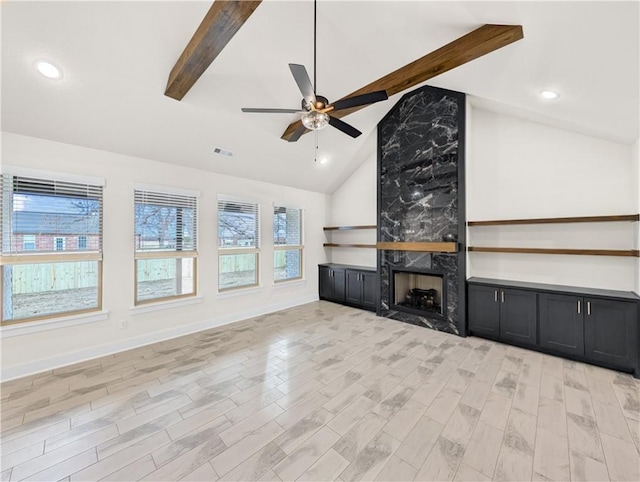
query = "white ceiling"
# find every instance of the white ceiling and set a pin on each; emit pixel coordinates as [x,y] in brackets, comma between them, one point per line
[116,57]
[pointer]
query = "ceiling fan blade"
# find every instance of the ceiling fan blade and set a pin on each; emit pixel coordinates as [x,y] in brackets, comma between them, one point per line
[364,99]
[344,127]
[471,46]
[220,24]
[272,111]
[296,134]
[304,82]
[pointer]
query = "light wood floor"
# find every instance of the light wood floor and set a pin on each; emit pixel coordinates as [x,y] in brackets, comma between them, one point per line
[322,392]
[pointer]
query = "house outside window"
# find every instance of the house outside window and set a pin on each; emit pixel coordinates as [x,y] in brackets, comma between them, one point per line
[287,243]
[82,242]
[165,244]
[28,242]
[39,213]
[238,243]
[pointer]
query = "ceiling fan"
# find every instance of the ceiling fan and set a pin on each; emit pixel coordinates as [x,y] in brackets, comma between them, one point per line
[315,109]
[226,17]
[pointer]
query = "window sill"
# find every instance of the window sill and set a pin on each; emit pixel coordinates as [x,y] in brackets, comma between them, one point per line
[29,327]
[232,293]
[163,305]
[288,284]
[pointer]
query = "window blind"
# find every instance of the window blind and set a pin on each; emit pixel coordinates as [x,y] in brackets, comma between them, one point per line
[238,224]
[36,211]
[165,221]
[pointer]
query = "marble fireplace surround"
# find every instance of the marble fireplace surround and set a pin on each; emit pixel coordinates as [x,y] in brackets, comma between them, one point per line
[421,199]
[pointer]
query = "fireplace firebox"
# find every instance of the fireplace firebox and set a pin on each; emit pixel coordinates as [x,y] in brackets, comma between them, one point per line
[418,291]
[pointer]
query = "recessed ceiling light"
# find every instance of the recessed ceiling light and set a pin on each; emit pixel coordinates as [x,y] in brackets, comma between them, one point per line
[323,160]
[549,94]
[49,70]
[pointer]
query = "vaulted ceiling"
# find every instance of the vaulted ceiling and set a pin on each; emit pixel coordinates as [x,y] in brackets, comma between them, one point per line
[116,58]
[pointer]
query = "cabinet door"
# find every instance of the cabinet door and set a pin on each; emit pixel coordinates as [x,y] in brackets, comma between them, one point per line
[338,281]
[518,316]
[324,282]
[353,292]
[369,290]
[484,310]
[611,332]
[561,323]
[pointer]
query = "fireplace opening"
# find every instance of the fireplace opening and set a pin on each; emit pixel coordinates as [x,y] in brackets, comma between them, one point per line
[418,292]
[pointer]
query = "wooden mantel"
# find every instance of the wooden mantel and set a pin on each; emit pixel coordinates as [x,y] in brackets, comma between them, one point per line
[422,247]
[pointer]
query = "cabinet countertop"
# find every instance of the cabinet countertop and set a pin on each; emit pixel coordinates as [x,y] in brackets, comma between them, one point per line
[573,290]
[348,266]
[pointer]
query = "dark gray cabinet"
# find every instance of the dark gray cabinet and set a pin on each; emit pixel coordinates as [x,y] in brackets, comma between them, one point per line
[562,323]
[484,310]
[591,325]
[504,314]
[611,332]
[331,283]
[518,316]
[354,286]
[361,289]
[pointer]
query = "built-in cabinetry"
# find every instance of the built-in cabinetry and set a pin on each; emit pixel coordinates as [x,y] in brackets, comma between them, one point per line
[331,283]
[351,285]
[597,326]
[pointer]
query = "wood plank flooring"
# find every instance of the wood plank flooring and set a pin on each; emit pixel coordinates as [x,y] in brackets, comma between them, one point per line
[322,392]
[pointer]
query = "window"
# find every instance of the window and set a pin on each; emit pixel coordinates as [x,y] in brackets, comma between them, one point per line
[165,245]
[28,242]
[287,243]
[53,279]
[82,242]
[238,243]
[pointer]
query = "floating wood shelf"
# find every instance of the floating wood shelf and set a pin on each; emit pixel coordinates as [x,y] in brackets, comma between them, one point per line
[336,245]
[348,228]
[580,219]
[587,252]
[424,247]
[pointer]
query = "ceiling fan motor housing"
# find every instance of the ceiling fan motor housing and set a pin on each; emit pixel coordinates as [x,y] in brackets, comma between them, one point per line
[321,103]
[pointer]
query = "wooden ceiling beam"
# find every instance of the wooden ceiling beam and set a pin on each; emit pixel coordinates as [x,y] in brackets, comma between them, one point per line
[220,24]
[471,46]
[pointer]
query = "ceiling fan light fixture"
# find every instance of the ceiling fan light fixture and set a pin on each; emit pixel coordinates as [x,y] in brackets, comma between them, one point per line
[315,120]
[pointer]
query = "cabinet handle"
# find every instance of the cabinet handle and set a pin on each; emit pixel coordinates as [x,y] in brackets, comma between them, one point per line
[589,308]
[495,295]
[502,293]
[579,303]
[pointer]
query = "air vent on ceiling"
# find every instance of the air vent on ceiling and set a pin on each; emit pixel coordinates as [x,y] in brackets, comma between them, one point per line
[222,152]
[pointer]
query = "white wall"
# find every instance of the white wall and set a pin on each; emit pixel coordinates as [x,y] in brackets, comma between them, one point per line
[635,177]
[355,203]
[45,350]
[521,169]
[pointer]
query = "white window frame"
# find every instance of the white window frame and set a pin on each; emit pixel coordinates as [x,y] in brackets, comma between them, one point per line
[31,240]
[222,251]
[9,258]
[55,243]
[141,254]
[290,247]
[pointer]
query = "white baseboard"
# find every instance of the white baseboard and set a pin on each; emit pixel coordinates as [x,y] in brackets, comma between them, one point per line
[51,363]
